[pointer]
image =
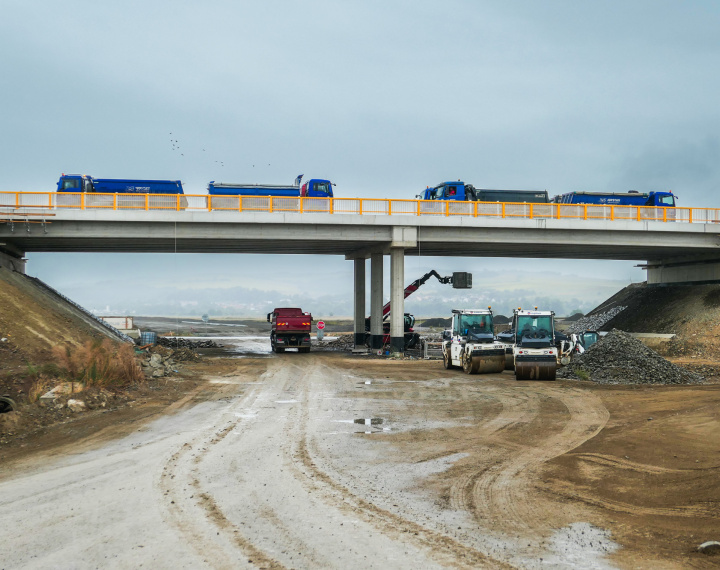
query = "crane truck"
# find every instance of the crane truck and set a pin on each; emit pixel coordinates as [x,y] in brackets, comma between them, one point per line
[290,329]
[471,344]
[535,354]
[459,280]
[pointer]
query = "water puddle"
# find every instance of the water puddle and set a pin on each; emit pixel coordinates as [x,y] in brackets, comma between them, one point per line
[286,401]
[369,421]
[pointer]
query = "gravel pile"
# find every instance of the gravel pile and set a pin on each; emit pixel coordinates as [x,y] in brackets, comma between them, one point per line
[619,358]
[175,342]
[593,322]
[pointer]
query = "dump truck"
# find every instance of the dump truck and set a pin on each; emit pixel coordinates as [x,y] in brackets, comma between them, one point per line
[470,343]
[82,183]
[291,328]
[630,198]
[535,354]
[314,188]
[459,191]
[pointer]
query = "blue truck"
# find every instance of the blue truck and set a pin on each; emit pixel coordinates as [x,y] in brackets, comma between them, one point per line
[631,198]
[314,188]
[84,183]
[458,190]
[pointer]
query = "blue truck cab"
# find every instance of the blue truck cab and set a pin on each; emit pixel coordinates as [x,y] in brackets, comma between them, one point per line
[456,190]
[84,183]
[632,198]
[314,188]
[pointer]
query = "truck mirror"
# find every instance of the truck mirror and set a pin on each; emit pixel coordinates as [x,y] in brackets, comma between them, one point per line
[461,280]
[268,317]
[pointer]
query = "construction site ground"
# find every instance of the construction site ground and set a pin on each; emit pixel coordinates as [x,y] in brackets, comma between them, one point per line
[333,460]
[330,460]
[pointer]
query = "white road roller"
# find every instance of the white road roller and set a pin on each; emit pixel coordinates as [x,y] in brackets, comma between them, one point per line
[470,343]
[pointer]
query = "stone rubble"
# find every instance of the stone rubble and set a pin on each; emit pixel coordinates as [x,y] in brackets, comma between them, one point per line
[619,358]
[593,322]
[175,343]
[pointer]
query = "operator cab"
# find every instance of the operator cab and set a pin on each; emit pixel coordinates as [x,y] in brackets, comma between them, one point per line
[75,183]
[534,329]
[475,326]
[317,188]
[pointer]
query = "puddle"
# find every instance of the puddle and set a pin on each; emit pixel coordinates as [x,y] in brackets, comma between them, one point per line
[286,401]
[369,421]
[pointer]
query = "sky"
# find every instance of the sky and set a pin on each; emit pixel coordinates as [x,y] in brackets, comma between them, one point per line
[383,98]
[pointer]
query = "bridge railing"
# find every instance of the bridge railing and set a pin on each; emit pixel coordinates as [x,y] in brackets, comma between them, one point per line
[19,202]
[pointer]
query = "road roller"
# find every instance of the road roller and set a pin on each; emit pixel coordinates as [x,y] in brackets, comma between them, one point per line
[470,343]
[535,353]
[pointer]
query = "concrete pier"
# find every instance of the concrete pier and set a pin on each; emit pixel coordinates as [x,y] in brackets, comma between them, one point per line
[376,300]
[13,262]
[397,299]
[359,320]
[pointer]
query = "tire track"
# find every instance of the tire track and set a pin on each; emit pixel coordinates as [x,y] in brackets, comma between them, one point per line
[505,495]
[445,549]
[182,471]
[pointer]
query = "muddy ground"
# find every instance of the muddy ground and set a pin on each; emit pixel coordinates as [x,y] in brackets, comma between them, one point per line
[329,460]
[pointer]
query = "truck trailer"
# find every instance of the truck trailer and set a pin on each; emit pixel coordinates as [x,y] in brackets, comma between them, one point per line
[631,198]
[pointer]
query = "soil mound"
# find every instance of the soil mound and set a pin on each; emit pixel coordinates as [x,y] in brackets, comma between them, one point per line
[619,358]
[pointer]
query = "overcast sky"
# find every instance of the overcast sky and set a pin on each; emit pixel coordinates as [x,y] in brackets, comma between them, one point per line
[383,98]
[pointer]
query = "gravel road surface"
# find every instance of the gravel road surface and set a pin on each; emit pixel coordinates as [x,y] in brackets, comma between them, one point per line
[322,461]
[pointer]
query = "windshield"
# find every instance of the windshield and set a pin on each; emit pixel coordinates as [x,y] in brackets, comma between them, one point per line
[527,324]
[322,187]
[476,324]
[70,184]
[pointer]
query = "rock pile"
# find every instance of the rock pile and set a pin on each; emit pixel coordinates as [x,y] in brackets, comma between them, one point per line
[175,343]
[159,361]
[619,358]
[593,322]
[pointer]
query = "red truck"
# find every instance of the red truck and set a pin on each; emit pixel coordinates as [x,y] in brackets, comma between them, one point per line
[290,329]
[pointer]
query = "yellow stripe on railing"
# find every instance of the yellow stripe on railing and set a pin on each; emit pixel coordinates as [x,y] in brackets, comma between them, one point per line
[18,201]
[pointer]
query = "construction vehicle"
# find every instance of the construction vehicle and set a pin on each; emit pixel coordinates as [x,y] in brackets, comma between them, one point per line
[290,329]
[87,184]
[459,280]
[467,192]
[584,340]
[535,354]
[315,188]
[471,344]
[631,198]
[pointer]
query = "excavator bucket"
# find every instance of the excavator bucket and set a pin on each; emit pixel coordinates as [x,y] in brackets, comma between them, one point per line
[484,364]
[535,369]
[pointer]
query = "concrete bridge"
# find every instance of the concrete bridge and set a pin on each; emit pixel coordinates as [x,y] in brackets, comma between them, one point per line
[675,245]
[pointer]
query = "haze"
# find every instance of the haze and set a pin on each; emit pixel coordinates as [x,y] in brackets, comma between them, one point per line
[383,98]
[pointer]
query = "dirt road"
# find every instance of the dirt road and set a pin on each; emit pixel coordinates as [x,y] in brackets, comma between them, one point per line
[321,460]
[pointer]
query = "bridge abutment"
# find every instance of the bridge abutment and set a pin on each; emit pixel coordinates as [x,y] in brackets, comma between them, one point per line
[689,271]
[13,262]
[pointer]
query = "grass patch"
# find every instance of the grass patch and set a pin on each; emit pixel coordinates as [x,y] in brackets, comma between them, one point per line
[582,374]
[99,364]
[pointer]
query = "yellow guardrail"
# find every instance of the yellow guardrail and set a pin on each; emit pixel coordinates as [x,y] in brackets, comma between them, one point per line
[16,202]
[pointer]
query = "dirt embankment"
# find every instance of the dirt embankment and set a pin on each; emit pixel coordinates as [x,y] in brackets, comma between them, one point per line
[32,321]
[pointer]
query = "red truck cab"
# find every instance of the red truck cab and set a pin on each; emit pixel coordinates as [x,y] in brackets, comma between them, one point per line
[290,329]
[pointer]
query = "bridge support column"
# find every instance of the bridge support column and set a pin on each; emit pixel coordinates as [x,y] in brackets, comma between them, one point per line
[397,299]
[686,271]
[13,262]
[359,327]
[376,300]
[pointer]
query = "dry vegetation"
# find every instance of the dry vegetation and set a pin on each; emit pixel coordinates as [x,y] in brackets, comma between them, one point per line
[99,364]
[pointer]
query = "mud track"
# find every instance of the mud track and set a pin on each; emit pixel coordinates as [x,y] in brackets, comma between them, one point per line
[306,461]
